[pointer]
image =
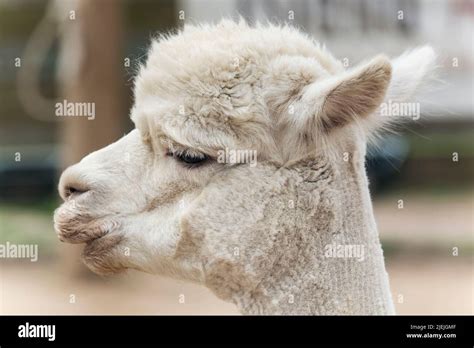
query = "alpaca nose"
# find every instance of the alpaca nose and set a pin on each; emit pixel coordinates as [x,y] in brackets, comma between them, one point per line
[72,183]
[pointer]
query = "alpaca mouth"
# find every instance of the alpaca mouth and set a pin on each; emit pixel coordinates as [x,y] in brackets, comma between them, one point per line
[76,228]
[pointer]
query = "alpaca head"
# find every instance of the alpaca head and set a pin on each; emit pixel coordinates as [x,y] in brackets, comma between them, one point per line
[239,144]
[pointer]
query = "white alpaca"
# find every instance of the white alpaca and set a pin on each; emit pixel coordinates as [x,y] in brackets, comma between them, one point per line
[294,233]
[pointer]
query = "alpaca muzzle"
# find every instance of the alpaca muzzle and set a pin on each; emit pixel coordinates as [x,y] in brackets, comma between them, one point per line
[75,227]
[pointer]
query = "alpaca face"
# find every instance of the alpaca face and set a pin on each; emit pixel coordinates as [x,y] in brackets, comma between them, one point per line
[125,202]
[229,123]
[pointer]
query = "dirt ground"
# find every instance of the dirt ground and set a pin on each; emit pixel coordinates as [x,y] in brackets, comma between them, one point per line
[37,288]
[430,285]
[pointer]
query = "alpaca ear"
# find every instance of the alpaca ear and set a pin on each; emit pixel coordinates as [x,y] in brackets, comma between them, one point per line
[355,94]
[410,73]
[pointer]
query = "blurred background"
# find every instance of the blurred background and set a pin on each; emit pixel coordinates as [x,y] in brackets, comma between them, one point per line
[85,50]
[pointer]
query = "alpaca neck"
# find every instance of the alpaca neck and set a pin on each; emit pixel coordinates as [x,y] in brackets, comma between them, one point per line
[346,280]
[281,297]
[312,247]
[331,261]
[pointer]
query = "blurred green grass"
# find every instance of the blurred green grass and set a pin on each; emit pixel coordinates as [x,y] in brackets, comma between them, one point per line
[30,223]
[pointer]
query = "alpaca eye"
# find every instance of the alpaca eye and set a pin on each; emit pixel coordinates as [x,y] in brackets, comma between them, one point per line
[190,159]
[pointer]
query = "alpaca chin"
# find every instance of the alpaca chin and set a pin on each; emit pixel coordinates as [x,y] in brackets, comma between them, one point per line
[101,255]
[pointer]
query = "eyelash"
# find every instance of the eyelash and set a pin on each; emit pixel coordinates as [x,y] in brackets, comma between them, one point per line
[188,159]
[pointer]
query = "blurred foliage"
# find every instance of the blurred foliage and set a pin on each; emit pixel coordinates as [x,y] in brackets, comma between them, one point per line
[17,21]
[439,144]
[392,247]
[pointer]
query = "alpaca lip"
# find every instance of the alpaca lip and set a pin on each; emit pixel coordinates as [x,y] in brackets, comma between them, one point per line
[105,241]
[78,234]
[76,228]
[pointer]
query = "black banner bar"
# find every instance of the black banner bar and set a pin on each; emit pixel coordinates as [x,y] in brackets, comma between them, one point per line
[136,331]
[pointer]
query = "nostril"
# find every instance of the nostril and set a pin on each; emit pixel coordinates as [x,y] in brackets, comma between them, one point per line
[73,183]
[70,190]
